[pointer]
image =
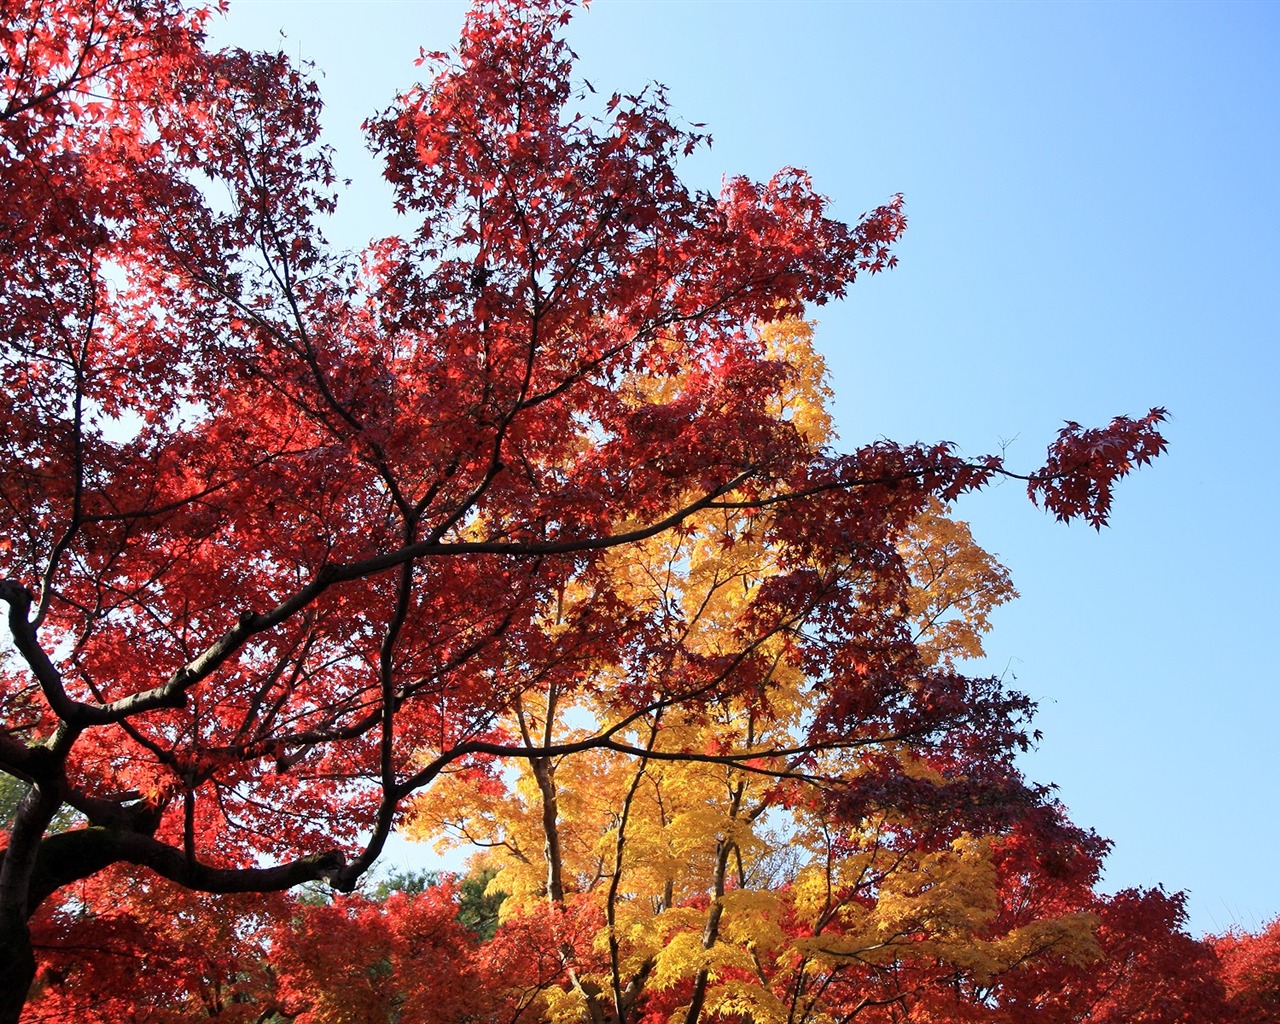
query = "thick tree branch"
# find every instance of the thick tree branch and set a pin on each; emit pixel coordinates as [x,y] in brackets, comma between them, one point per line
[80,853]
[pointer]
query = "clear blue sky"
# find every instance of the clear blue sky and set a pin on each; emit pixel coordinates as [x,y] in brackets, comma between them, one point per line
[1094,196]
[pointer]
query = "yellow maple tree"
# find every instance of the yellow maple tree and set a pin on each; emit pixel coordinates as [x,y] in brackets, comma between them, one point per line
[701,837]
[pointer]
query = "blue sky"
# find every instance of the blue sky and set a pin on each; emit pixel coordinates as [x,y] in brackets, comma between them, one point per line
[1095,229]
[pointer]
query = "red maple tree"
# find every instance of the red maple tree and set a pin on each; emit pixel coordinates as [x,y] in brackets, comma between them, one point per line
[1251,972]
[282,524]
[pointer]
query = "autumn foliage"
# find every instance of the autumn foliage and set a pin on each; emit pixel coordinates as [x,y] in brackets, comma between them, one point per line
[525,528]
[1251,972]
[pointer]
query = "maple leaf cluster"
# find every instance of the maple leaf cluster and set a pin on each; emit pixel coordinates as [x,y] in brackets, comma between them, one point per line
[534,505]
[1083,465]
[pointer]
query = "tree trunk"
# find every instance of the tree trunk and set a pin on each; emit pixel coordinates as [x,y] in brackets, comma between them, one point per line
[17,967]
[544,775]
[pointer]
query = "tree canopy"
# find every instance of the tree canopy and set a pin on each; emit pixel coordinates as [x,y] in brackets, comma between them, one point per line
[299,541]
